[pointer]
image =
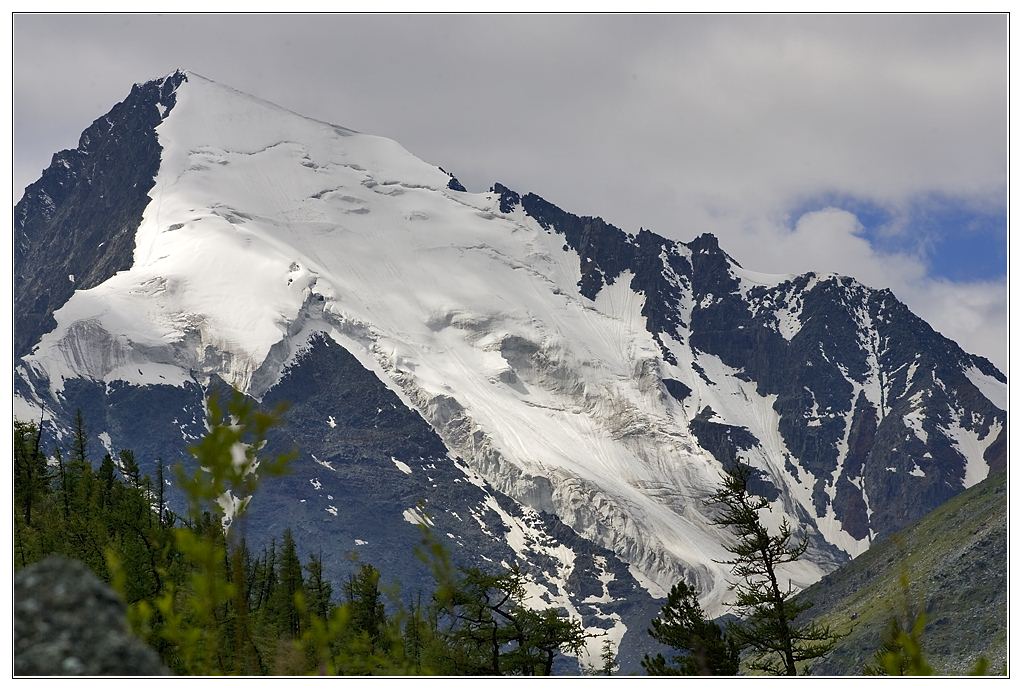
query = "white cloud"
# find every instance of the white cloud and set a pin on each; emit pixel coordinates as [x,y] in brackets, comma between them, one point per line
[832,240]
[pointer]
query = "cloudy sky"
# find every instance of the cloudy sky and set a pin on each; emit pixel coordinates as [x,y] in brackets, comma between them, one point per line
[873,146]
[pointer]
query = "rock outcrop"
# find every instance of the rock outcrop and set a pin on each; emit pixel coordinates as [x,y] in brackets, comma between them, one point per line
[68,622]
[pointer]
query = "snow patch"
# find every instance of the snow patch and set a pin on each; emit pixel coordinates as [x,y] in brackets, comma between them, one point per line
[324,464]
[416,517]
[25,410]
[994,391]
[749,280]
[971,446]
[230,505]
[789,321]
[914,420]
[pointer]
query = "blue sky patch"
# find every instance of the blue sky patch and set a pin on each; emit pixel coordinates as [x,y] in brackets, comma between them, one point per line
[957,241]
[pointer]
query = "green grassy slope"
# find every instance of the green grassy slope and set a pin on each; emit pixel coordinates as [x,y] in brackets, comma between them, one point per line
[956,561]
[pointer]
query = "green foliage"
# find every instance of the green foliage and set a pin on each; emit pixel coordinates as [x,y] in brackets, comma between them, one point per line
[982,667]
[130,468]
[75,511]
[681,625]
[211,606]
[901,652]
[318,590]
[289,623]
[201,622]
[106,480]
[32,475]
[362,591]
[228,466]
[769,611]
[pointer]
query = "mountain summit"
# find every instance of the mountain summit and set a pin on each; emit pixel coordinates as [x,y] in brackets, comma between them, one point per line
[557,391]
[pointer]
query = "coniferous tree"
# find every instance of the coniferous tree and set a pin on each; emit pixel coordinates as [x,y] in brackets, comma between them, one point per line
[147,494]
[702,648]
[32,475]
[210,607]
[769,610]
[32,479]
[185,593]
[493,633]
[268,592]
[475,638]
[608,658]
[260,580]
[80,450]
[106,480]
[317,589]
[247,660]
[362,593]
[62,472]
[130,468]
[290,583]
[414,634]
[161,506]
[548,632]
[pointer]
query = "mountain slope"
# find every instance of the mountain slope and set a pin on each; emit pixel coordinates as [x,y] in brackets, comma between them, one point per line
[75,226]
[592,377]
[956,560]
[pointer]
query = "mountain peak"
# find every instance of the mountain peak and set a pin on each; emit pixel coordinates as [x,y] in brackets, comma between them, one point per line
[174,78]
[567,362]
[508,198]
[705,243]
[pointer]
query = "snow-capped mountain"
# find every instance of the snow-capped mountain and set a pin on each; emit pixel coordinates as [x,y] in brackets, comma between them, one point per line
[556,391]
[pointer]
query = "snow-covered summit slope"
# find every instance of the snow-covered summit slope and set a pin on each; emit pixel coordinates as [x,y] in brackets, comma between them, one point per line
[598,376]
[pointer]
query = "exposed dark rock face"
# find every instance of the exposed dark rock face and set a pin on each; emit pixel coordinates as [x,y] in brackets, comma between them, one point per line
[995,456]
[604,251]
[68,622]
[453,184]
[850,339]
[725,442]
[79,219]
[678,390]
[507,200]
